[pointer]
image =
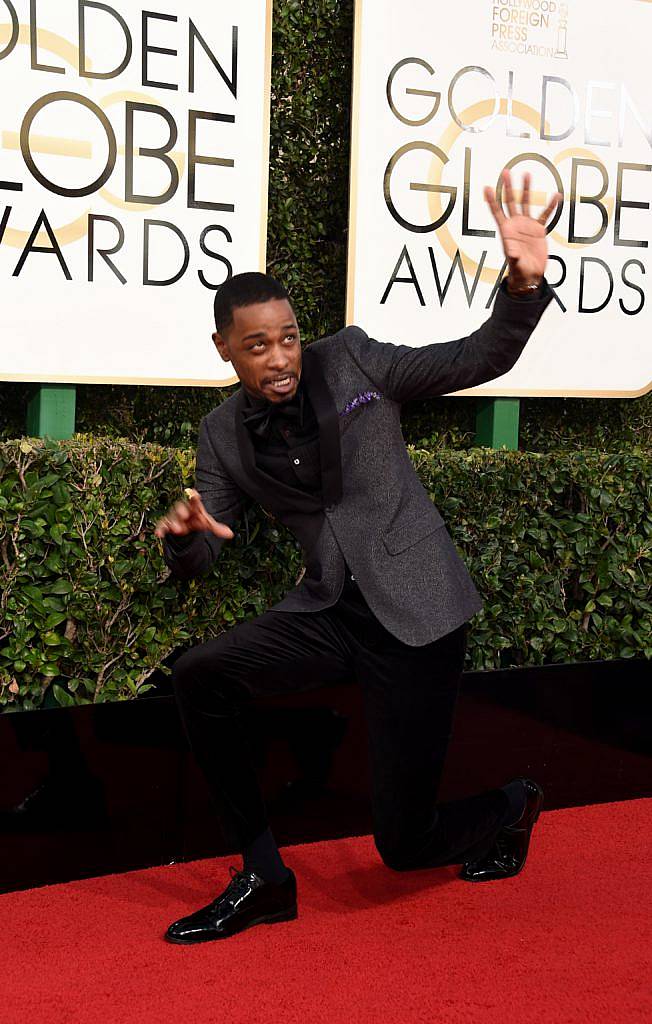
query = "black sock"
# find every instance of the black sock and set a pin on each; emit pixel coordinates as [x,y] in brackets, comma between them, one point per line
[262,856]
[515,793]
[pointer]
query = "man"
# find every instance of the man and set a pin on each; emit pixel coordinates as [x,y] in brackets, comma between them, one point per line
[385,598]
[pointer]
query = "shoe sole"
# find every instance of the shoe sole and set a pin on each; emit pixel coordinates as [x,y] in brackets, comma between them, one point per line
[283,915]
[513,874]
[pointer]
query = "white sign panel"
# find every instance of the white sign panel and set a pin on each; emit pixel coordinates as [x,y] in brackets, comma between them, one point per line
[446,95]
[134,149]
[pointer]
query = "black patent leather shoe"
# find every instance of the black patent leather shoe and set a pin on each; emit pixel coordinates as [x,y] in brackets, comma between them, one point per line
[509,852]
[246,901]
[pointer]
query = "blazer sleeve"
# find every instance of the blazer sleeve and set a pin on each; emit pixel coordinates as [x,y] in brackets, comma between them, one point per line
[193,554]
[402,372]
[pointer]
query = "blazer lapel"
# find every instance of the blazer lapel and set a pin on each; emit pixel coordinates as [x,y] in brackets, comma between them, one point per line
[275,492]
[329,427]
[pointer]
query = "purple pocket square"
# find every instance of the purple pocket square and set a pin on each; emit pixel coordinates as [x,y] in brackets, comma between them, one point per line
[360,399]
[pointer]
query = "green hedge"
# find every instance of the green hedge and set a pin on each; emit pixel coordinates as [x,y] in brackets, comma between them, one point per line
[559,545]
[307,243]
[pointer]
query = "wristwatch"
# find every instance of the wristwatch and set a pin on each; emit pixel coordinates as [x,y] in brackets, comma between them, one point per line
[526,289]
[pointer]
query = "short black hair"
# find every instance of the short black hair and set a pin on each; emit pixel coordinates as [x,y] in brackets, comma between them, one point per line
[244,290]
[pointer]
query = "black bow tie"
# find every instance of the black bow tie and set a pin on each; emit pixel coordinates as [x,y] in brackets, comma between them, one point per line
[260,421]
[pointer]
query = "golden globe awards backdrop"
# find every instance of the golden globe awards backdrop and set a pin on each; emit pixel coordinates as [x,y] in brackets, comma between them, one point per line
[446,95]
[134,149]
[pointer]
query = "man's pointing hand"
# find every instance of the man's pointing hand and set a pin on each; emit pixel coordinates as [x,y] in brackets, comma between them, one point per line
[189,517]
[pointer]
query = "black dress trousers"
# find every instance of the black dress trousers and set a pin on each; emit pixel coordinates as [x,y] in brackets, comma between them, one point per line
[409,694]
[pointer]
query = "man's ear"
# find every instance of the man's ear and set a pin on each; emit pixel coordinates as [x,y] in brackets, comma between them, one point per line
[221,346]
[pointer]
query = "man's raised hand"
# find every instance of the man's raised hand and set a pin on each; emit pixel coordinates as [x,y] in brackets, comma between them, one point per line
[189,517]
[523,236]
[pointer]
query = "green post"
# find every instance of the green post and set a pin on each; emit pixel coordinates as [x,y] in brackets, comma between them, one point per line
[496,422]
[51,411]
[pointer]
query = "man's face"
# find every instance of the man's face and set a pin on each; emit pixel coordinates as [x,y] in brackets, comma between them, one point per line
[264,347]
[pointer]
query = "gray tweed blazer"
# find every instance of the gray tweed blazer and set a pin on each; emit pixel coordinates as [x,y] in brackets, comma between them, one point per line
[375,513]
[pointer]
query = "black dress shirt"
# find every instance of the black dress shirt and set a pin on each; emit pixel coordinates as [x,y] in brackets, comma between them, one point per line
[285,437]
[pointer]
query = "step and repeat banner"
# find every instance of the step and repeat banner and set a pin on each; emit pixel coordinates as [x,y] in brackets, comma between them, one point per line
[445,96]
[134,154]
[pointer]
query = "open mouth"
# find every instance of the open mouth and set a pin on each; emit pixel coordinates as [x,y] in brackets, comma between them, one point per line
[281,384]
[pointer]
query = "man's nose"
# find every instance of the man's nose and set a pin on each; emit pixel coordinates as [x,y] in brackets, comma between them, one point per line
[279,359]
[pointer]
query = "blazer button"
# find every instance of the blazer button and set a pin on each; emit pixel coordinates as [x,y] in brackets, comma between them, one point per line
[297,461]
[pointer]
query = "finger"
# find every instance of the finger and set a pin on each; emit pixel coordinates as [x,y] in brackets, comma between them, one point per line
[509,194]
[197,514]
[219,529]
[176,527]
[490,199]
[182,511]
[552,205]
[176,523]
[161,528]
[171,524]
[525,198]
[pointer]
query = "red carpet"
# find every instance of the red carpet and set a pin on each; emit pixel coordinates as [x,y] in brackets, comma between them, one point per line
[568,940]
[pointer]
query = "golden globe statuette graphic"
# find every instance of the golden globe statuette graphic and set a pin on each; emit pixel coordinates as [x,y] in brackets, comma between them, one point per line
[562,33]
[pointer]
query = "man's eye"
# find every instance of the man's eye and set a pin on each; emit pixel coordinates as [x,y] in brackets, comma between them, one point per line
[290,336]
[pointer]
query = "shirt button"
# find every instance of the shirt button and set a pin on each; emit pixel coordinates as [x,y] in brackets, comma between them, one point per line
[353,578]
[297,461]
